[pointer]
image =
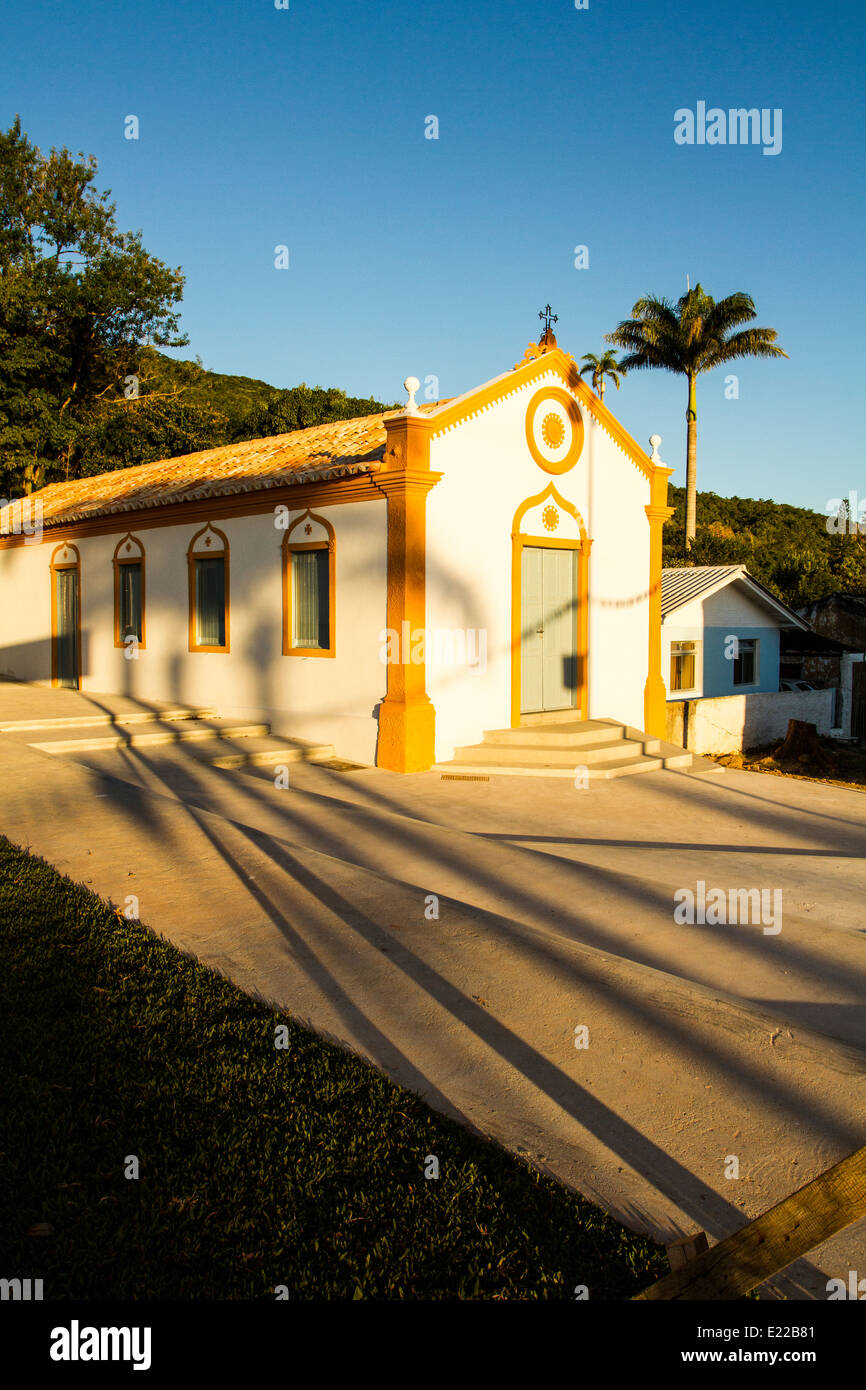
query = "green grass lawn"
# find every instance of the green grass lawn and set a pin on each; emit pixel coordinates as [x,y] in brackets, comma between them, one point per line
[258,1167]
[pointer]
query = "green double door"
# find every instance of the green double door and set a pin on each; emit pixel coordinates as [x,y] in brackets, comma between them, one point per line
[548,626]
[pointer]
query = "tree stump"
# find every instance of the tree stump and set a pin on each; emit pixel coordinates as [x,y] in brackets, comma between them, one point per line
[801,745]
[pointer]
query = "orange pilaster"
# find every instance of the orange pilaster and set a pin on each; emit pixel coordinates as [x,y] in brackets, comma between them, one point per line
[407,716]
[655,691]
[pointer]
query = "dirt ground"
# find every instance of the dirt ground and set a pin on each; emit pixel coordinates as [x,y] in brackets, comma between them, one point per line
[845,764]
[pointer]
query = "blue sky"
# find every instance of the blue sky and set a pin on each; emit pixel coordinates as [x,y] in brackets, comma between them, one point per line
[306,128]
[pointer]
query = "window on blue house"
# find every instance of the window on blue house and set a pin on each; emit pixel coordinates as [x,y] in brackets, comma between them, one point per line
[684,661]
[746,662]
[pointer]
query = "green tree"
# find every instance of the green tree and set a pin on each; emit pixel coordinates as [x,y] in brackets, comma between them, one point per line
[169,413]
[787,548]
[78,298]
[299,407]
[599,368]
[180,408]
[690,337]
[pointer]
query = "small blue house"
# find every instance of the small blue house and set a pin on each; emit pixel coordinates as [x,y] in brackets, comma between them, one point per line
[720,632]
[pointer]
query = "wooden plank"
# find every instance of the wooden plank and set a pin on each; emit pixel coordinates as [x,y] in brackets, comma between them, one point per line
[681,1252]
[788,1230]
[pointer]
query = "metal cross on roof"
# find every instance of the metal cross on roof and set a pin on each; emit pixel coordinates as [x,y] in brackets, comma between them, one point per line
[549,317]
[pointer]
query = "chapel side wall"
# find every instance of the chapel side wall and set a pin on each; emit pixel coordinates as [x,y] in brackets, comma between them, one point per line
[330,700]
[25,612]
[488,471]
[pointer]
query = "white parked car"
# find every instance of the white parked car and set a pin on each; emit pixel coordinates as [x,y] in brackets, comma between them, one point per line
[797,685]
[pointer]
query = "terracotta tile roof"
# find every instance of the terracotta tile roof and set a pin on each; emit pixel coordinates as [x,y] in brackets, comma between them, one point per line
[322,451]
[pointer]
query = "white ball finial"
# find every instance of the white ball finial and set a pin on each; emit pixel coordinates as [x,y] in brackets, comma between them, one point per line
[411,384]
[655,441]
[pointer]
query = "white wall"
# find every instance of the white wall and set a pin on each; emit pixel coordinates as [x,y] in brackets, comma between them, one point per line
[685,624]
[846,680]
[488,472]
[617,495]
[734,722]
[331,700]
[25,612]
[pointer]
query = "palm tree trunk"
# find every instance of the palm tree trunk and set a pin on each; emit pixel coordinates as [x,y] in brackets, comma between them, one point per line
[691,462]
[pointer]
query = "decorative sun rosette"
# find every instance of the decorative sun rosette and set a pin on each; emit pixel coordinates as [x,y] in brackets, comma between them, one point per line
[554,429]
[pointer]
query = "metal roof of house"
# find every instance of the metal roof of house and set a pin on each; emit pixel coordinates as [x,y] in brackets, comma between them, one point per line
[680,586]
[684,585]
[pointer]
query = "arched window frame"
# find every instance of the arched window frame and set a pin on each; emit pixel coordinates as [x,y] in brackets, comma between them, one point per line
[289,547]
[70,559]
[129,550]
[219,550]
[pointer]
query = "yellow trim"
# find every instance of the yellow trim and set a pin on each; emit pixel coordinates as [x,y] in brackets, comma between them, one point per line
[191,558]
[407,718]
[583,547]
[554,360]
[609,423]
[555,393]
[655,692]
[118,561]
[288,549]
[455,412]
[355,487]
[53,569]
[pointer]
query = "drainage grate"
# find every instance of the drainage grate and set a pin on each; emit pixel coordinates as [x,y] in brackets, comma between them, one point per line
[464,777]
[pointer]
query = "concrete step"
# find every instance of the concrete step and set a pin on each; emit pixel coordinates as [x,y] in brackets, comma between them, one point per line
[674,755]
[177,731]
[93,721]
[556,746]
[552,716]
[266,752]
[572,733]
[681,759]
[551,755]
[190,768]
[618,767]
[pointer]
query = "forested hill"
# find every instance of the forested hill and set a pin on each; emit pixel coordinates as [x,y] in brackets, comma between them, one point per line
[787,548]
[181,408]
[250,408]
[168,407]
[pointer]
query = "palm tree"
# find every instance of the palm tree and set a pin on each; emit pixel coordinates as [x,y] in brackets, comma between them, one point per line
[600,367]
[689,337]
